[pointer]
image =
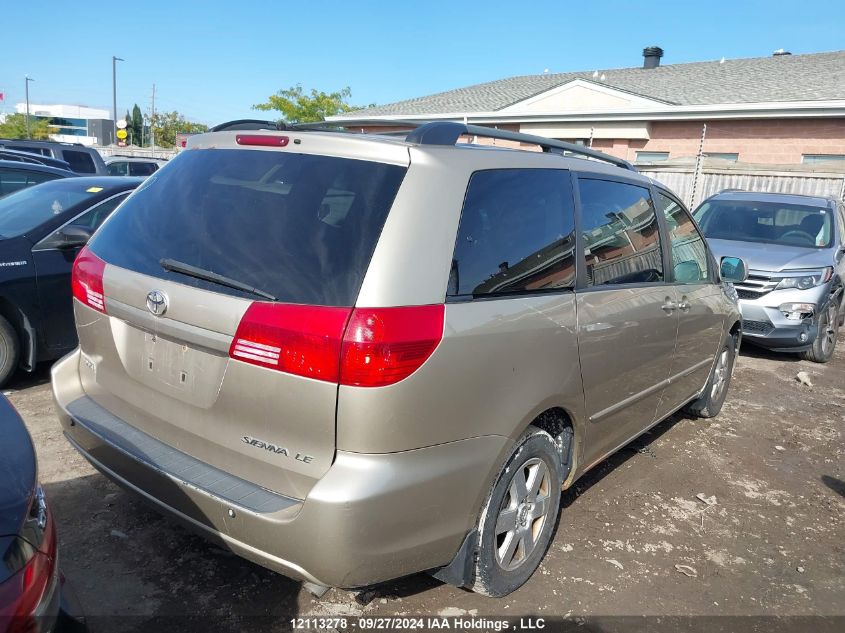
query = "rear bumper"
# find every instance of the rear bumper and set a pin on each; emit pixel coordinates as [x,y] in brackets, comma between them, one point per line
[372,517]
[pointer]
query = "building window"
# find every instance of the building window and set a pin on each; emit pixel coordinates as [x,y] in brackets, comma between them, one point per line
[650,157]
[722,156]
[822,158]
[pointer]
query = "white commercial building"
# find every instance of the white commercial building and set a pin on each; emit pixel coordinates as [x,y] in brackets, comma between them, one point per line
[73,123]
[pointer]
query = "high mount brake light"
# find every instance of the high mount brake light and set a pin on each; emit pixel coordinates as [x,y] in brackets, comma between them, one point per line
[362,347]
[86,280]
[264,140]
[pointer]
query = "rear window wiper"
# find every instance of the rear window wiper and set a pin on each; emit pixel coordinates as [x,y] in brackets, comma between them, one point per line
[207,275]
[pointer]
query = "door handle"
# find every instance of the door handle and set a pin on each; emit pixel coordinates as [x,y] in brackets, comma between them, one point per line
[669,307]
[684,305]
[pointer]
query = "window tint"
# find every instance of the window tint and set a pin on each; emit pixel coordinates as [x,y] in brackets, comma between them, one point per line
[12,180]
[33,206]
[80,162]
[43,151]
[689,254]
[621,239]
[301,227]
[142,169]
[516,233]
[118,169]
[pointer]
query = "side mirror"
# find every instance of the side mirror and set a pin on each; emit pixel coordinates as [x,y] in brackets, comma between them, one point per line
[733,269]
[74,236]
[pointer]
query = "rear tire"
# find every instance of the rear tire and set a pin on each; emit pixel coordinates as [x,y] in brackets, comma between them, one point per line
[9,350]
[519,517]
[709,404]
[825,343]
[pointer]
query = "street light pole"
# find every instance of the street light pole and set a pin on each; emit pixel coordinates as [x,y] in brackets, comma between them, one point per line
[28,79]
[114,61]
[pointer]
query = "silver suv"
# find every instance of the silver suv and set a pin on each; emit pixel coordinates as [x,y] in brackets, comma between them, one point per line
[351,358]
[795,249]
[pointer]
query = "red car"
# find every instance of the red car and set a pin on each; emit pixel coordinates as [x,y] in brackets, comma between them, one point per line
[33,595]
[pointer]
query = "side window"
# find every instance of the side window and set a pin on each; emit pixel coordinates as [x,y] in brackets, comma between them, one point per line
[14,179]
[91,219]
[689,254]
[118,169]
[95,216]
[517,234]
[621,238]
[80,162]
[141,169]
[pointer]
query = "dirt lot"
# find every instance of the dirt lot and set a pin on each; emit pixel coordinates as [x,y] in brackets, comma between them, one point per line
[772,543]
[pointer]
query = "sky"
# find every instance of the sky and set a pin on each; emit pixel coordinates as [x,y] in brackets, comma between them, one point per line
[213,60]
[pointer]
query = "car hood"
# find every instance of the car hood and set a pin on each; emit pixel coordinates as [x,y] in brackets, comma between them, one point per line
[771,257]
[17,469]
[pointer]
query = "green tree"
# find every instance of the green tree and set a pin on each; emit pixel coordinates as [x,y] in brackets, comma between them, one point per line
[137,125]
[15,127]
[166,125]
[297,106]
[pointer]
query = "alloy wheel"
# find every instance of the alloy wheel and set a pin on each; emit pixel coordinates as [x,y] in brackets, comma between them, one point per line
[523,514]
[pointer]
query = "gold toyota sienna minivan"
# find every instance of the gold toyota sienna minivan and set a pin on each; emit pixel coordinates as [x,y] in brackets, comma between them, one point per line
[351,358]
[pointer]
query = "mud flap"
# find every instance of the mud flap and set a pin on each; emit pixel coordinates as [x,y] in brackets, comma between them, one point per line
[461,571]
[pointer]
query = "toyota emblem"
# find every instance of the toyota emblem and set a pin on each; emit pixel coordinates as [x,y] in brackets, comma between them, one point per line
[157,302]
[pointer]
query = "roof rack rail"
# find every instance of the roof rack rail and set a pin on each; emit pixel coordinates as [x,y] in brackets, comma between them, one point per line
[448,133]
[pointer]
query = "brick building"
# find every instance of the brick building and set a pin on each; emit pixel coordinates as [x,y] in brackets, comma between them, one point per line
[783,109]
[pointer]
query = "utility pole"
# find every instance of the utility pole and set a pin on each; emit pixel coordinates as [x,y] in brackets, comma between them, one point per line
[28,79]
[152,122]
[114,61]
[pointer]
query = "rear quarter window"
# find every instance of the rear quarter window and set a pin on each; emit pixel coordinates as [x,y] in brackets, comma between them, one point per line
[300,227]
[80,162]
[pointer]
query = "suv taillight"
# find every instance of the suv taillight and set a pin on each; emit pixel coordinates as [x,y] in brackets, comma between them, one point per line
[382,346]
[87,280]
[363,347]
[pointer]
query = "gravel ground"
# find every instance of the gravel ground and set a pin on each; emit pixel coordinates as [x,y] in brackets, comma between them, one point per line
[771,544]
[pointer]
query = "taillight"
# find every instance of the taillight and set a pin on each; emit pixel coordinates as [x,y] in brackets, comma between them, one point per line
[297,339]
[263,140]
[87,280]
[364,347]
[22,593]
[382,346]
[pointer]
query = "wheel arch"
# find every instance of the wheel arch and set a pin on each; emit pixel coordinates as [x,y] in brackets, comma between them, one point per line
[25,331]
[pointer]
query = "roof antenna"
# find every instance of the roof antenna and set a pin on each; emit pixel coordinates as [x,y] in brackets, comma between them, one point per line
[603,77]
[722,61]
[595,74]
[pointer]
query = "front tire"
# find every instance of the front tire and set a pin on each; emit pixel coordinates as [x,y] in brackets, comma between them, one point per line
[519,517]
[709,404]
[825,343]
[9,350]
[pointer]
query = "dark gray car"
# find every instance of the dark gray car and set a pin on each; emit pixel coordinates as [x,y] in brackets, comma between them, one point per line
[794,245]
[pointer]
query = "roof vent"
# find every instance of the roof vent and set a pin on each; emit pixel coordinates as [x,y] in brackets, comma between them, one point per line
[651,56]
[780,53]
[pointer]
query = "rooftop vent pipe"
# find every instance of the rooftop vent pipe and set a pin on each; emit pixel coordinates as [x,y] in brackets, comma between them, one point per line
[651,56]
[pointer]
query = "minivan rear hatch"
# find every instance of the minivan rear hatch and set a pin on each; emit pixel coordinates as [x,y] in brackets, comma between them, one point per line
[228,278]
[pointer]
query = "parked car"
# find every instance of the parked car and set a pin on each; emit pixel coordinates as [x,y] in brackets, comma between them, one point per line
[131,166]
[33,159]
[33,593]
[82,160]
[41,231]
[351,358]
[15,175]
[795,249]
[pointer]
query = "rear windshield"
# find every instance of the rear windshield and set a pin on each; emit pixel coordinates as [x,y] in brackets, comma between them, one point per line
[766,222]
[29,208]
[299,227]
